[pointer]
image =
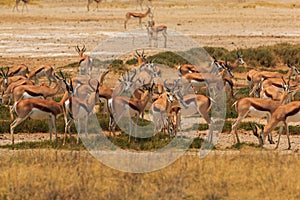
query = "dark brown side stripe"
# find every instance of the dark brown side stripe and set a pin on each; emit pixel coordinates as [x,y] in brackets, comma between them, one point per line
[293,112]
[258,107]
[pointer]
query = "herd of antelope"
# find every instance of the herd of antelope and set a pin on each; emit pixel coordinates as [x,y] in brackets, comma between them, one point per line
[143,89]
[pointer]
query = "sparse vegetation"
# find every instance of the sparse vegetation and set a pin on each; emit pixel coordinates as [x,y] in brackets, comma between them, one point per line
[54,174]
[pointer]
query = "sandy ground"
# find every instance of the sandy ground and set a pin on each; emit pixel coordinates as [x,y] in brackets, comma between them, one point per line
[48,32]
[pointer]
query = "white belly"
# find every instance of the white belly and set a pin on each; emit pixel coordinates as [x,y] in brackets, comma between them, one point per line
[190,110]
[257,113]
[294,118]
[27,96]
[39,115]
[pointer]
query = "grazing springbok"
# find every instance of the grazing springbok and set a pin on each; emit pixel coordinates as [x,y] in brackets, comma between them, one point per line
[89,2]
[262,75]
[39,109]
[85,62]
[44,70]
[153,31]
[256,107]
[285,114]
[10,88]
[17,4]
[140,16]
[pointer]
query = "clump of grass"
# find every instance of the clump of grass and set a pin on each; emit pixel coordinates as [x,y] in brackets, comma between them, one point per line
[47,144]
[168,58]
[118,66]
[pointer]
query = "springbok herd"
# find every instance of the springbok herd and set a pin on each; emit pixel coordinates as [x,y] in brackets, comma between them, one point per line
[143,89]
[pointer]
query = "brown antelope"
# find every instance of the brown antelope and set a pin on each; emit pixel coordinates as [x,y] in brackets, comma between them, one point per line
[6,79]
[44,70]
[89,2]
[121,106]
[262,75]
[161,108]
[208,78]
[237,62]
[285,114]
[141,58]
[21,70]
[188,68]
[85,62]
[153,31]
[256,107]
[249,77]
[38,109]
[37,91]
[77,107]
[192,104]
[9,90]
[140,16]
[17,4]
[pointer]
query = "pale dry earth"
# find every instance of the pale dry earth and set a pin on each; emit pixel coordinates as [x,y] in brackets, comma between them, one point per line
[48,32]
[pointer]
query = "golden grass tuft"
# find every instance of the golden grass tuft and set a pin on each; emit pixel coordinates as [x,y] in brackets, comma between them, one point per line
[51,174]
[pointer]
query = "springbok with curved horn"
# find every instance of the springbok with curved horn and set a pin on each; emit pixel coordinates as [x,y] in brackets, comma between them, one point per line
[257,107]
[80,107]
[162,106]
[141,58]
[85,62]
[39,109]
[140,16]
[121,106]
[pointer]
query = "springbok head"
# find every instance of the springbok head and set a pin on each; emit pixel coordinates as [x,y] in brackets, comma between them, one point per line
[240,57]
[293,68]
[80,51]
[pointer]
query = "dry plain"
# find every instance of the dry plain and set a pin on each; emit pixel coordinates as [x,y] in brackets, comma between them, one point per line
[47,34]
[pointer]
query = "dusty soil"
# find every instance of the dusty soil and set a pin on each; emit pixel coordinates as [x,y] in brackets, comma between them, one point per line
[48,32]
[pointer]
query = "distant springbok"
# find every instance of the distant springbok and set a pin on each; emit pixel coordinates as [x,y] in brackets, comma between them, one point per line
[17,4]
[140,16]
[90,2]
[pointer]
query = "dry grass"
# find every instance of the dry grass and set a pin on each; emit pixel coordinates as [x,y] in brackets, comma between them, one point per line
[41,174]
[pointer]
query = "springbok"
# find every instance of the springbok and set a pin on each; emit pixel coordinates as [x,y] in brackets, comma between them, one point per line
[39,109]
[85,62]
[17,4]
[140,16]
[262,75]
[161,108]
[121,106]
[285,114]
[44,70]
[153,31]
[80,107]
[256,107]
[89,2]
